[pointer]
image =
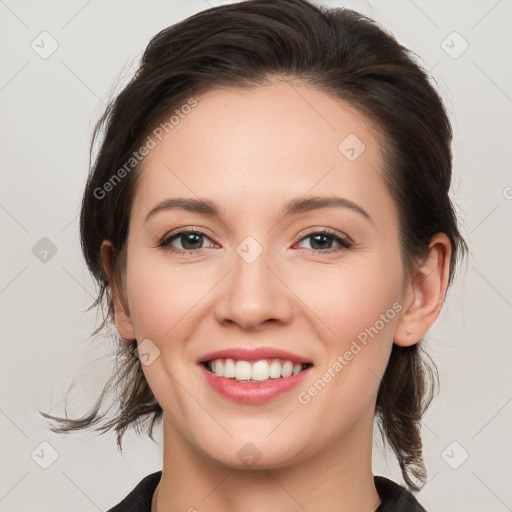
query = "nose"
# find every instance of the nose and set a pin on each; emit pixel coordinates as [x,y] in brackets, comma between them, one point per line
[253,293]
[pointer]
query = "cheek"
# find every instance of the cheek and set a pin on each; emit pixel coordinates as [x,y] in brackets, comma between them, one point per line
[351,297]
[160,297]
[357,310]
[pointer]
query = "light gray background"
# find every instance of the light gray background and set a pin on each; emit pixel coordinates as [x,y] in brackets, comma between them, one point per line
[48,109]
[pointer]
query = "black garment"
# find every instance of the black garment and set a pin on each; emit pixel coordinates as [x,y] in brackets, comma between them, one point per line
[394,497]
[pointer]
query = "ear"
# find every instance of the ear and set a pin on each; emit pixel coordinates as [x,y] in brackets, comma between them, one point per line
[425,293]
[122,318]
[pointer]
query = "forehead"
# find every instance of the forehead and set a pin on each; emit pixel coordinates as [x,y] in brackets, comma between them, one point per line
[258,146]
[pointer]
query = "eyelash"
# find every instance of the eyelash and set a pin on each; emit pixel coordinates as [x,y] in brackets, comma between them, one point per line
[345,243]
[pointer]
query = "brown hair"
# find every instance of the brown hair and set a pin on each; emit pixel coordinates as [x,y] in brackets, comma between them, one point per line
[342,53]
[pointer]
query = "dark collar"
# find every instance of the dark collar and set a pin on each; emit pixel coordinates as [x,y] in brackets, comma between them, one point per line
[394,497]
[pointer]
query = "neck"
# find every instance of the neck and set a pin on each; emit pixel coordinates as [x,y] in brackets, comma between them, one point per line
[338,479]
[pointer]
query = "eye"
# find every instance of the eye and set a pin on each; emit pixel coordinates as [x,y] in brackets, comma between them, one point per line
[322,241]
[191,241]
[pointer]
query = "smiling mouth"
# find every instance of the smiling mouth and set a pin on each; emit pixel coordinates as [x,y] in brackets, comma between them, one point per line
[254,371]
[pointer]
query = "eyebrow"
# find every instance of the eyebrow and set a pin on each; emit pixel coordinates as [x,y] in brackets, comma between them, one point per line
[293,207]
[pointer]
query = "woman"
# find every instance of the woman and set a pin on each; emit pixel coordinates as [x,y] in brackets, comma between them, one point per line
[269,222]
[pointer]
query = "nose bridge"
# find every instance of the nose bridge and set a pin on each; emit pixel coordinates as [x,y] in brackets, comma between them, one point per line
[253,293]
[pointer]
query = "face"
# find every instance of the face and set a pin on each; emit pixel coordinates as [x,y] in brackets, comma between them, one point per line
[270,268]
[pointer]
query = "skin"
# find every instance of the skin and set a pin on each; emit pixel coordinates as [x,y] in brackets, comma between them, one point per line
[251,151]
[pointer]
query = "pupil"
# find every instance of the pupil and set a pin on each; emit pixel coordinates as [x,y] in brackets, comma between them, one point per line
[189,239]
[316,238]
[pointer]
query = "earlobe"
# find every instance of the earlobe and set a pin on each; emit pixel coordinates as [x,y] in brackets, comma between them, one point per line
[121,312]
[425,294]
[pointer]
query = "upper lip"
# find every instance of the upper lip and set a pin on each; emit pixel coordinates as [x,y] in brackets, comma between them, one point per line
[253,354]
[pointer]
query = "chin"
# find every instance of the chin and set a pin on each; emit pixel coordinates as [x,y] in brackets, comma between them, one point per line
[246,454]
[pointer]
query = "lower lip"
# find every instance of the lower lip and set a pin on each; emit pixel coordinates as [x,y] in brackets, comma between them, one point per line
[253,393]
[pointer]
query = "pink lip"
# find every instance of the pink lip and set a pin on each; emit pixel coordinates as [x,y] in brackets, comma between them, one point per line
[253,354]
[253,393]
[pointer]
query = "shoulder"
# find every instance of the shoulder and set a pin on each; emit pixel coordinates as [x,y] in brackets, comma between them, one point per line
[395,497]
[139,498]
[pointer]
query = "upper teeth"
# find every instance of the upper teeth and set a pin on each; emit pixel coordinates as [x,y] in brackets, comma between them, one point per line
[255,370]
